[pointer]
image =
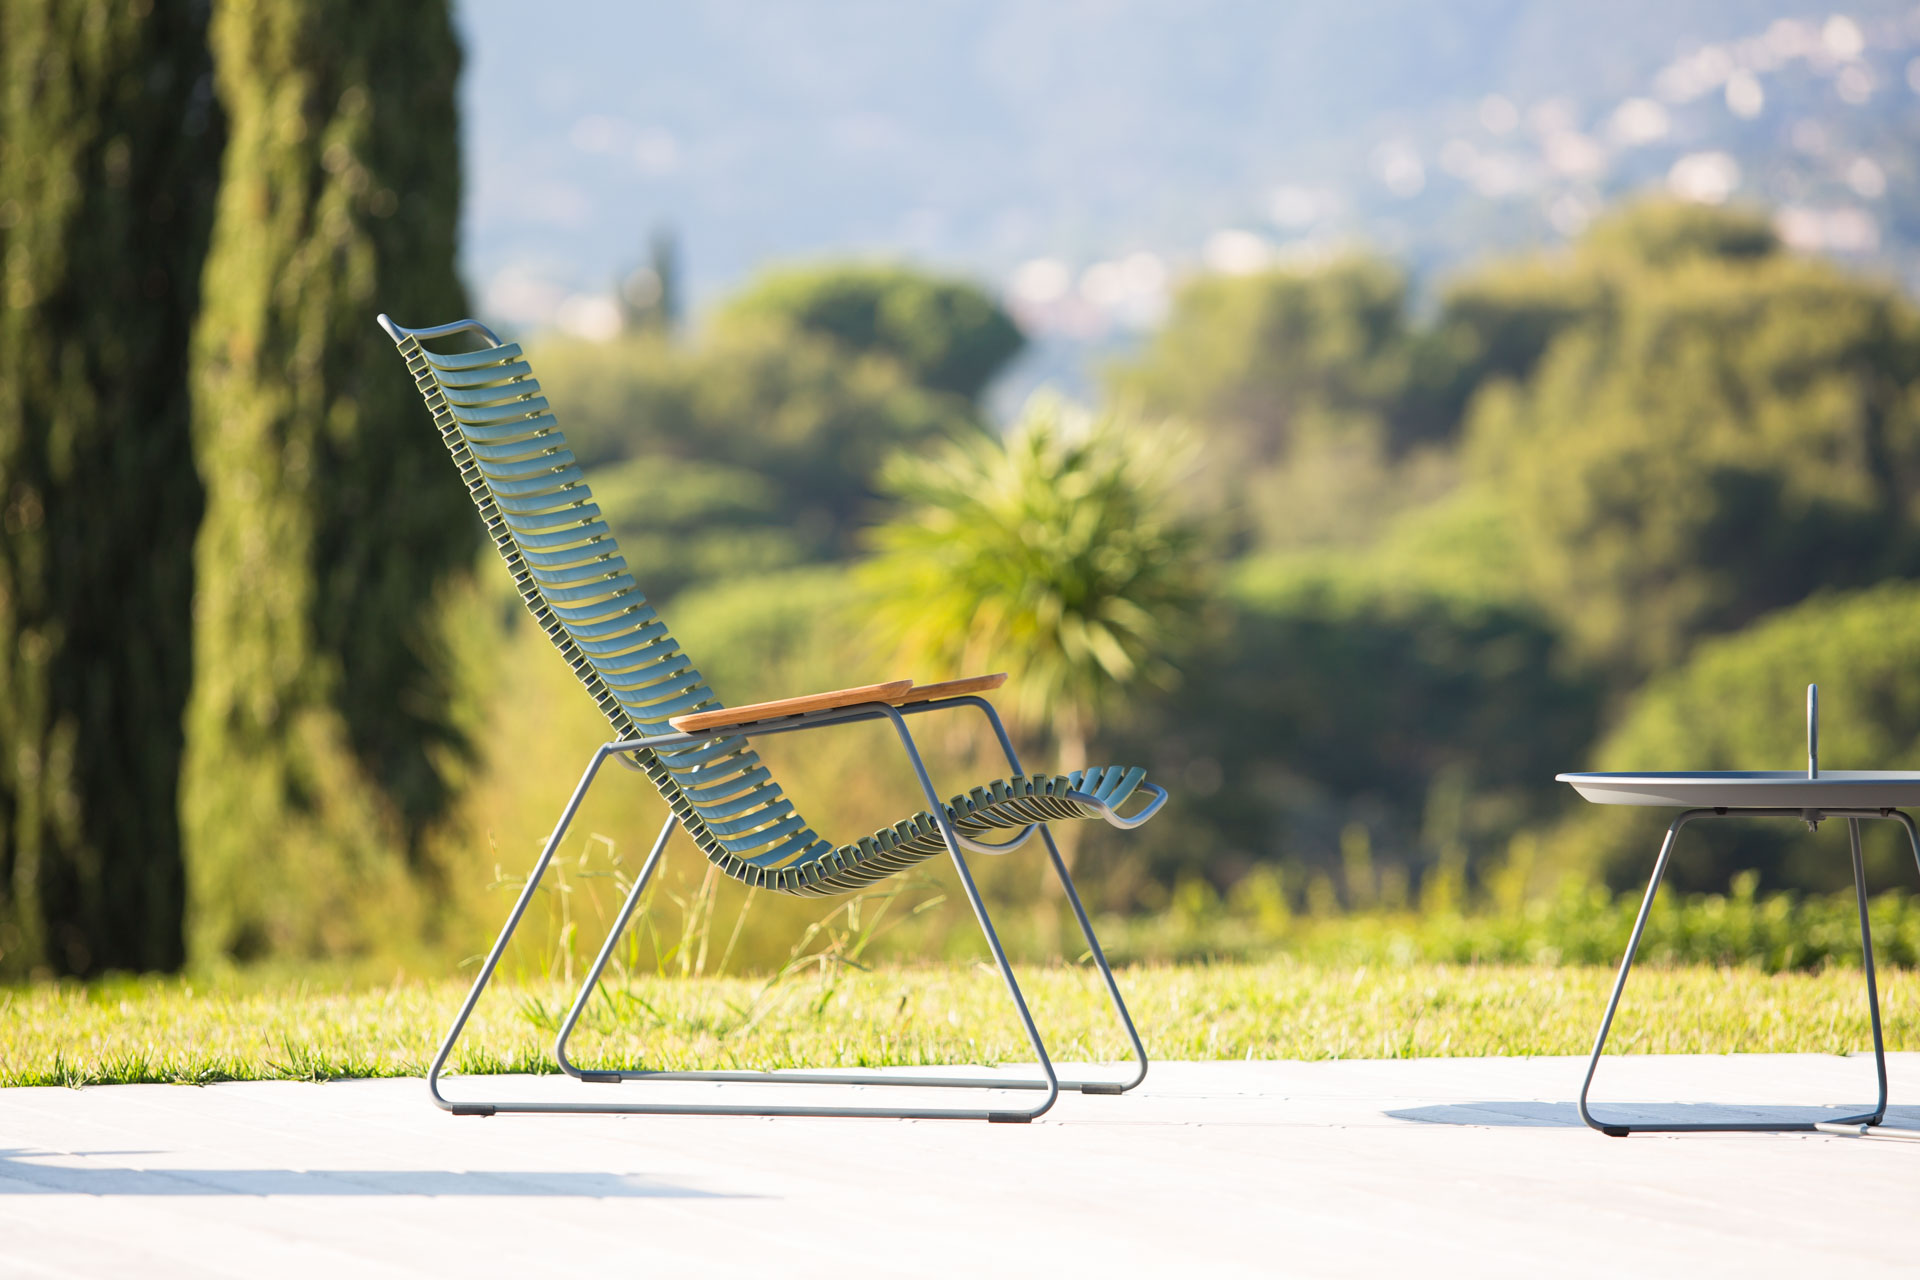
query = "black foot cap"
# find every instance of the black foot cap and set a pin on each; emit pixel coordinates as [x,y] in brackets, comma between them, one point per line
[1102,1086]
[471,1109]
[600,1077]
[1008,1117]
[1615,1130]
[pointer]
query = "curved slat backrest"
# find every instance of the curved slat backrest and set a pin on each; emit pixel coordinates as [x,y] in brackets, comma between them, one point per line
[542,518]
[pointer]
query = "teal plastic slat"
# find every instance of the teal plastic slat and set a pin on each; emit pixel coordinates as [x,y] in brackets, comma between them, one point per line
[570,555]
[514,450]
[568,480]
[458,397]
[504,431]
[480,377]
[566,499]
[580,573]
[546,462]
[471,359]
[525,406]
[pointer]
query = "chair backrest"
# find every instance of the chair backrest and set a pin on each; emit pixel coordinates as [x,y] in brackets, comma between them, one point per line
[541,515]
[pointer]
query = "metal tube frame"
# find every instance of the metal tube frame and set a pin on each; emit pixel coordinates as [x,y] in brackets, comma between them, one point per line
[1049,1082]
[1812,817]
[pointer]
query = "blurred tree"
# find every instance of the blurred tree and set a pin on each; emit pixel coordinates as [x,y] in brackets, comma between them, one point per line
[109,157]
[947,334]
[1724,431]
[802,425]
[1311,388]
[1740,703]
[1270,358]
[1496,323]
[1332,700]
[320,720]
[1054,553]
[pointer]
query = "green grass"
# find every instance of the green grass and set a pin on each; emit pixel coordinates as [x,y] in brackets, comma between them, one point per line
[169,1031]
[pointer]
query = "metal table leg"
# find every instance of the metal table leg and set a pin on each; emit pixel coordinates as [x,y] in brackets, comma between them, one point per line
[1615,1129]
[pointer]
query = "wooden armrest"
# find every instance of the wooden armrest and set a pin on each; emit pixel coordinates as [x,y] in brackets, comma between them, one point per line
[890,692]
[954,688]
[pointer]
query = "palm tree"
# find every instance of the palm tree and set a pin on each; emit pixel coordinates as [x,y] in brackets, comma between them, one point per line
[1055,553]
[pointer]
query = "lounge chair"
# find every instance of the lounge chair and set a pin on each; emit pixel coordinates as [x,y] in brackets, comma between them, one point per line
[670,727]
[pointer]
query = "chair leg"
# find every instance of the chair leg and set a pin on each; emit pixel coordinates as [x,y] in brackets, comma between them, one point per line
[1050,1083]
[614,935]
[1617,1130]
[1086,926]
[1106,976]
[492,961]
[585,994]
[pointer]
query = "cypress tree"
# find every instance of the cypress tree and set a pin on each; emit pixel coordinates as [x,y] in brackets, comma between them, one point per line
[321,718]
[109,152]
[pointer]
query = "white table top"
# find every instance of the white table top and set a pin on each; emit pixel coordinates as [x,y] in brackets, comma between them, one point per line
[1767,789]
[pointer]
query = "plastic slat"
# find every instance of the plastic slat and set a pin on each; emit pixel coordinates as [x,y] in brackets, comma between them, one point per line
[745,845]
[640,615]
[542,463]
[583,572]
[753,775]
[653,691]
[566,485]
[646,677]
[458,398]
[480,377]
[657,714]
[568,556]
[714,810]
[565,499]
[522,406]
[576,524]
[593,591]
[501,431]
[595,612]
[471,359]
[764,818]
[683,760]
[514,451]
[642,643]
[781,854]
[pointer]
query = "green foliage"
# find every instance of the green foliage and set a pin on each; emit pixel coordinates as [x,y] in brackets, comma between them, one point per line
[1496,322]
[1054,553]
[947,334]
[1740,703]
[803,426]
[1577,924]
[321,724]
[1280,356]
[1718,436]
[109,151]
[1661,234]
[1375,732]
[1311,386]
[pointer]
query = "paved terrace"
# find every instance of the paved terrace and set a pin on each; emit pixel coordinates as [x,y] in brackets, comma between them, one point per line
[1434,1167]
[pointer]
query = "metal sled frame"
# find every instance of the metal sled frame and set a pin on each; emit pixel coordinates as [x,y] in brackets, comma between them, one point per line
[1618,1129]
[1049,1082]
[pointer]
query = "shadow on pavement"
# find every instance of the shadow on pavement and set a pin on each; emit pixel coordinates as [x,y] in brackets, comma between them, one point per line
[28,1172]
[1560,1115]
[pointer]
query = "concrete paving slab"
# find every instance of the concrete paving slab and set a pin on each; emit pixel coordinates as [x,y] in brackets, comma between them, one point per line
[1442,1166]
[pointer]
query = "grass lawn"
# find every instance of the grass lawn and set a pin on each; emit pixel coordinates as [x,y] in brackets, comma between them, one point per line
[172,1031]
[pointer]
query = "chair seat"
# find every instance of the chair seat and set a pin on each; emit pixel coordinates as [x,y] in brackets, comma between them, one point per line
[1009,804]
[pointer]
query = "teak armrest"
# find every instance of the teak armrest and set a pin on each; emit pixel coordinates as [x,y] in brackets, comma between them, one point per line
[892,692]
[955,688]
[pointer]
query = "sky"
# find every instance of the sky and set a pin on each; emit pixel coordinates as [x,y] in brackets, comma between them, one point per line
[1080,157]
